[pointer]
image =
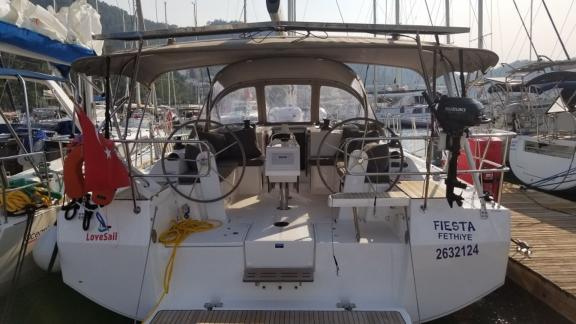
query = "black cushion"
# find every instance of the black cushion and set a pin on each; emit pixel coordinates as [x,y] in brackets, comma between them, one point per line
[379,160]
[190,154]
[247,137]
[354,131]
[217,140]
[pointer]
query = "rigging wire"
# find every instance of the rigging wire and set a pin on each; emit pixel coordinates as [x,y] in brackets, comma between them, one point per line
[562,28]
[524,42]
[305,9]
[437,9]
[525,28]
[339,11]
[428,11]
[489,16]
[383,10]
[359,11]
[571,33]
[412,10]
[519,31]
[556,30]
[473,11]
[253,6]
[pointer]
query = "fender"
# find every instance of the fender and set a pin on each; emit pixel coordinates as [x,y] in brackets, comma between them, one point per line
[74,185]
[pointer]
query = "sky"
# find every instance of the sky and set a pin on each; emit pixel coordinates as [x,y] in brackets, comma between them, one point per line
[503,31]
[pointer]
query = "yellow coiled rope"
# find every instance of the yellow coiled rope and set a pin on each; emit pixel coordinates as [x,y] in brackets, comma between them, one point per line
[174,236]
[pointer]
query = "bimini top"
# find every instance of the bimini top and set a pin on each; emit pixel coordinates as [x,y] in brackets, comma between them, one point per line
[155,61]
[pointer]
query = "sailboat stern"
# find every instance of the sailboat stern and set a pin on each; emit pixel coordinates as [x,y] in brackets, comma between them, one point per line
[459,256]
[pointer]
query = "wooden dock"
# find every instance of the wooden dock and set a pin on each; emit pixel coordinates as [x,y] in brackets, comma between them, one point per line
[548,225]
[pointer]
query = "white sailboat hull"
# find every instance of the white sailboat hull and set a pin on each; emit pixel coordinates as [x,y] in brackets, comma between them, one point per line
[440,261]
[11,234]
[546,165]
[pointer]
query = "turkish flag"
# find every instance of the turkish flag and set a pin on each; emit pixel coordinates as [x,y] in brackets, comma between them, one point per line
[103,170]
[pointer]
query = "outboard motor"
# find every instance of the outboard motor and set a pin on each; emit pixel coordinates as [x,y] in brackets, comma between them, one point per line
[455,115]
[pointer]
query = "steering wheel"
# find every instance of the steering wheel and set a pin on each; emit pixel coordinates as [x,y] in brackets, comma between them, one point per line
[368,127]
[204,155]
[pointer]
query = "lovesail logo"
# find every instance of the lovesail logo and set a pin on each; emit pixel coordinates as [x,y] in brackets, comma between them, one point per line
[111,236]
[104,229]
[102,223]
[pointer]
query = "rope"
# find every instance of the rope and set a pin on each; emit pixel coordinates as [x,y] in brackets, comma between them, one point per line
[175,235]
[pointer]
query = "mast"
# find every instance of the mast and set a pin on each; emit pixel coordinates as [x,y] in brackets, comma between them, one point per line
[397,12]
[374,13]
[398,77]
[480,23]
[374,66]
[291,10]
[531,21]
[140,24]
[170,74]
[245,18]
[195,4]
[447,7]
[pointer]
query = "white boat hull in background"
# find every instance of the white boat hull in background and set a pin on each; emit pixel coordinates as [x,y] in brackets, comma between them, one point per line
[11,239]
[544,164]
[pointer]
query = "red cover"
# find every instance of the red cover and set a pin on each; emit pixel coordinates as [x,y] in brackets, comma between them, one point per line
[103,170]
[490,181]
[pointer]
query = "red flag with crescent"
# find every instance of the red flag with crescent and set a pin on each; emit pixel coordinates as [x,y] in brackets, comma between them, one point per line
[103,170]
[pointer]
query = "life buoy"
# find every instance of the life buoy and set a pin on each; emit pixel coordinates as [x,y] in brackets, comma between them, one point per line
[74,178]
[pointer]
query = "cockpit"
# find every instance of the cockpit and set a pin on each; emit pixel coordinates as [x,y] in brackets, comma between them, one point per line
[281,120]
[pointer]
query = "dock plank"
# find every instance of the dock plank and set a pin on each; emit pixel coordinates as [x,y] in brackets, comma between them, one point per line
[548,224]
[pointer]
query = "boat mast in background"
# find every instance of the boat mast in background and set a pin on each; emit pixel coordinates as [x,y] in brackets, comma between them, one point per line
[397,8]
[140,23]
[531,23]
[375,87]
[480,23]
[291,10]
[245,17]
[447,7]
